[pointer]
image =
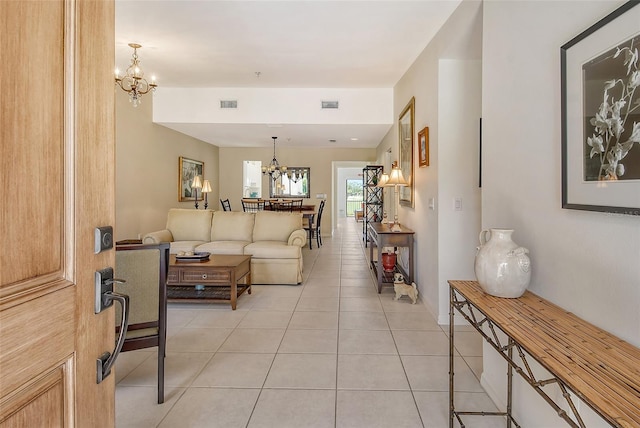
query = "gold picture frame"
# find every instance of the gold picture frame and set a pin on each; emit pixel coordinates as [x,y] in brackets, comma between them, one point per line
[406,132]
[423,147]
[187,170]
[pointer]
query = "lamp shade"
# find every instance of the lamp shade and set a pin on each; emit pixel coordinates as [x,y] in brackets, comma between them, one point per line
[396,178]
[384,179]
[196,183]
[206,186]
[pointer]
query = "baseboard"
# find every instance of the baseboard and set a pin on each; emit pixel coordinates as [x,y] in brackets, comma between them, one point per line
[443,319]
[491,392]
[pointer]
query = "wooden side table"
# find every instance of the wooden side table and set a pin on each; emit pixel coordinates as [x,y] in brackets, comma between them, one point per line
[219,275]
[380,236]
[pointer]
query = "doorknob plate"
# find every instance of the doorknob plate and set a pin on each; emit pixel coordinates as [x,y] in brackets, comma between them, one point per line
[103,284]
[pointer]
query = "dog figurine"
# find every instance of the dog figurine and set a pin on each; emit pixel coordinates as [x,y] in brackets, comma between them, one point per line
[403,289]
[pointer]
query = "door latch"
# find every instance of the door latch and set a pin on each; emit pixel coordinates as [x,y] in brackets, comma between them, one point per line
[105,296]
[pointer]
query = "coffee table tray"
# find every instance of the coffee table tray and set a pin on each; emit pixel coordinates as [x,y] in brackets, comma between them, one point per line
[204,256]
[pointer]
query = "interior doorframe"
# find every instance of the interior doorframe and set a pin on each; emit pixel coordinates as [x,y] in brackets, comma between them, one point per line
[335,167]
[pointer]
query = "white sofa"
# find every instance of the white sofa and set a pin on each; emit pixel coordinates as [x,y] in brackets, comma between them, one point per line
[274,240]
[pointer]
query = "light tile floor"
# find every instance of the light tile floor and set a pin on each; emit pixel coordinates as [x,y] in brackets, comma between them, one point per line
[328,353]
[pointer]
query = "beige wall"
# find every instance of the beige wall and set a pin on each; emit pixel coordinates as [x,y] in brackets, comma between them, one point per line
[147,168]
[319,160]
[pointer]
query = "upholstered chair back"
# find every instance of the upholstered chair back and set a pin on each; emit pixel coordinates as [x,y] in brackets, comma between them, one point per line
[141,270]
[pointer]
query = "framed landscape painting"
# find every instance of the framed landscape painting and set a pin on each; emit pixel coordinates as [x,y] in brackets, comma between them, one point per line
[406,130]
[601,115]
[188,169]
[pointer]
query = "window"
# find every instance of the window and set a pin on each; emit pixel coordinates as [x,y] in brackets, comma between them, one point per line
[354,196]
[252,179]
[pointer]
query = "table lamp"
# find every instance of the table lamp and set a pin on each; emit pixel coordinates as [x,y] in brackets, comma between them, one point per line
[196,184]
[206,188]
[396,179]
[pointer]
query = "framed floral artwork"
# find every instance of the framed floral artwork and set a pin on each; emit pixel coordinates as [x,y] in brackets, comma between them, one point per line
[423,147]
[188,169]
[405,127]
[601,115]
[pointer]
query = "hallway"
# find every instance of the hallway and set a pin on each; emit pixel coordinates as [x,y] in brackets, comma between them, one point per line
[328,353]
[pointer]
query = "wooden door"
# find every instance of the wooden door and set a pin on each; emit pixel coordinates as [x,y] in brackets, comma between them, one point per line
[57,184]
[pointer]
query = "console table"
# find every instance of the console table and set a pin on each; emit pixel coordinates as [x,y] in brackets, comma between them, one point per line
[380,236]
[592,364]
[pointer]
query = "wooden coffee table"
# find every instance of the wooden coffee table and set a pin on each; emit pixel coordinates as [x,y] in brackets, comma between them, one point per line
[219,275]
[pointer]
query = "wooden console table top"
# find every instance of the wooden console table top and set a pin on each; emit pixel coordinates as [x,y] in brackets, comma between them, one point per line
[600,368]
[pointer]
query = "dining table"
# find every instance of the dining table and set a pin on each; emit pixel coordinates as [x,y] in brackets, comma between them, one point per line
[309,214]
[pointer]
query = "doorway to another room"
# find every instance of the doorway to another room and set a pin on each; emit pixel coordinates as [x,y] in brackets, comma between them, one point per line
[354,198]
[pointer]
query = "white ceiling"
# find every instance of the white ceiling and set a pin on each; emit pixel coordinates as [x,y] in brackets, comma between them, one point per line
[293,44]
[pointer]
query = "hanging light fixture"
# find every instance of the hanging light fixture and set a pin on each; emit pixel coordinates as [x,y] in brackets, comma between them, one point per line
[295,175]
[133,81]
[274,169]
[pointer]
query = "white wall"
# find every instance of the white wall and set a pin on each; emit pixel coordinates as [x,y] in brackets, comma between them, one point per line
[459,84]
[585,262]
[273,105]
[460,40]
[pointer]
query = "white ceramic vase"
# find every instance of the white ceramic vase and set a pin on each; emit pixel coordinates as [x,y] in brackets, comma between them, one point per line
[502,267]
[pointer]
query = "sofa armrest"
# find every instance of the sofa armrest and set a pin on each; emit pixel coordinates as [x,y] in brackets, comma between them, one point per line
[298,237]
[158,237]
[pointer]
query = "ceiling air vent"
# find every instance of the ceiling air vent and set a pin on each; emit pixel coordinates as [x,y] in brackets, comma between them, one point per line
[228,103]
[330,104]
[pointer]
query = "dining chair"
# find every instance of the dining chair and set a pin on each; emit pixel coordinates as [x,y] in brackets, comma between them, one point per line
[252,205]
[226,205]
[285,206]
[144,268]
[313,228]
[296,205]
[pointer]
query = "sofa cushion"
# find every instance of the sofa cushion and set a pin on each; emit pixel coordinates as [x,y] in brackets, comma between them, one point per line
[223,247]
[232,226]
[176,247]
[189,225]
[272,250]
[275,226]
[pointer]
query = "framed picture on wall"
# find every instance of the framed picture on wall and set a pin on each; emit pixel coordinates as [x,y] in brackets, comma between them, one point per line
[188,169]
[423,147]
[405,127]
[601,115]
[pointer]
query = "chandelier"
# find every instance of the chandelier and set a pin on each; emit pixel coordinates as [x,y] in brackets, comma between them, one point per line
[295,175]
[133,82]
[274,169]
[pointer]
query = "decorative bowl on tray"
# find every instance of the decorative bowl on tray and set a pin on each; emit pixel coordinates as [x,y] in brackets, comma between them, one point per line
[192,256]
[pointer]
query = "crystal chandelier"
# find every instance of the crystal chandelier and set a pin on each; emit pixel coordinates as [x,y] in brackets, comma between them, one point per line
[274,169]
[133,82]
